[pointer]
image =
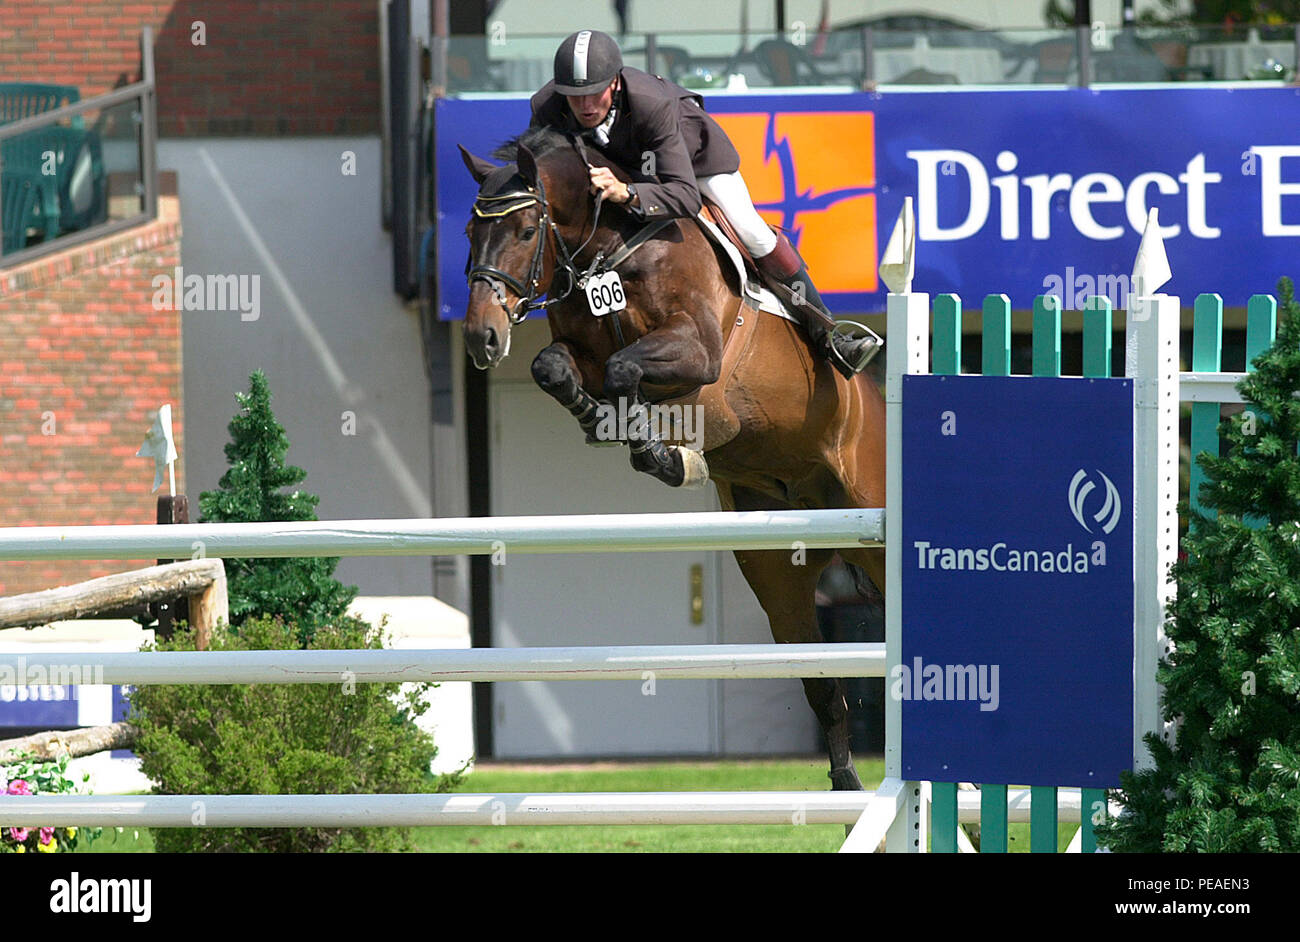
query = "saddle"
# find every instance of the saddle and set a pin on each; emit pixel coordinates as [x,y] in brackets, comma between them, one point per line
[714,214]
[717,228]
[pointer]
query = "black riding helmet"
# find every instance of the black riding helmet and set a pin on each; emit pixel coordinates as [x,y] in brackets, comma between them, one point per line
[586,62]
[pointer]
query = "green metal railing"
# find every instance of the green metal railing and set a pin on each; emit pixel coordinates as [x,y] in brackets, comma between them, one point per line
[860,55]
[55,171]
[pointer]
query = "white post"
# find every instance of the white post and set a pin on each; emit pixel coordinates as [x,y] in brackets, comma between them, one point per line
[1151,360]
[908,352]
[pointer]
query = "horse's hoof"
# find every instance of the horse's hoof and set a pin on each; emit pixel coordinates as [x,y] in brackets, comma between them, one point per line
[695,470]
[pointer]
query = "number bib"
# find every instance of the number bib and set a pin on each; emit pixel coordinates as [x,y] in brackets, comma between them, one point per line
[605,294]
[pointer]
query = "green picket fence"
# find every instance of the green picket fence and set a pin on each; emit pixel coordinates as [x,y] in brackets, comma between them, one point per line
[1046,361]
[1207,357]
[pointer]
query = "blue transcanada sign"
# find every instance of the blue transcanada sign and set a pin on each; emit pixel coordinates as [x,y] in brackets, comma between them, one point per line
[1017,547]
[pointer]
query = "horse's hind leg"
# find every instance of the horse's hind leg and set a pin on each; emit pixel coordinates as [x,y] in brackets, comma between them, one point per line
[785,589]
[785,584]
[871,560]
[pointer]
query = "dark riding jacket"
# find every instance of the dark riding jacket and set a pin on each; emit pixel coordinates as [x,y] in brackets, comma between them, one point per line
[653,116]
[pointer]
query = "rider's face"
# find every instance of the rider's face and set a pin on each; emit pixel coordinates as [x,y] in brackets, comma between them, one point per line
[590,110]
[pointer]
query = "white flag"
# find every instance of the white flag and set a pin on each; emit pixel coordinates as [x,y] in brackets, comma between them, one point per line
[898,265]
[1151,267]
[159,445]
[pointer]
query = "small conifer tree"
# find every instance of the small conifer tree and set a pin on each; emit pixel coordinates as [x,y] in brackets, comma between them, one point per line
[1231,781]
[300,590]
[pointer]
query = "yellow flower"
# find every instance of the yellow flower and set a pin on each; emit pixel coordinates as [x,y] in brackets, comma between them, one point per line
[72,833]
[49,848]
[21,849]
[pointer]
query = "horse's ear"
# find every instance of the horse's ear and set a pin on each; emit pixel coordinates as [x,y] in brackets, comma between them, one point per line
[527,164]
[478,167]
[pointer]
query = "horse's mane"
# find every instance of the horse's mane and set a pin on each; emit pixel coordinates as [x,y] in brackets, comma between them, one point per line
[540,140]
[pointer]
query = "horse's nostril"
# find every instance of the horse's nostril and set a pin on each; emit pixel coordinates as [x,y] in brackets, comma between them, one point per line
[490,340]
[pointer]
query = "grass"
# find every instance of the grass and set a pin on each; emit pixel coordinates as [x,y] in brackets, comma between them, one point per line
[731,775]
[130,841]
[760,775]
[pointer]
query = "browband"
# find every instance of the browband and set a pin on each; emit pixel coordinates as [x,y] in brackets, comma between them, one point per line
[524,198]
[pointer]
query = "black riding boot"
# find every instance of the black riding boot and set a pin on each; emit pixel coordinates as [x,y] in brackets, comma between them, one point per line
[848,352]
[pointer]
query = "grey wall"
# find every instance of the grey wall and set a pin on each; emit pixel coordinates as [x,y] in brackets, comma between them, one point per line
[331,335]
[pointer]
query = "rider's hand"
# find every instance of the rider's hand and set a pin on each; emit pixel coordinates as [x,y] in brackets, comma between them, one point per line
[604,181]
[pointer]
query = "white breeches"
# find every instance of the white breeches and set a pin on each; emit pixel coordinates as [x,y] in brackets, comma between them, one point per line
[728,190]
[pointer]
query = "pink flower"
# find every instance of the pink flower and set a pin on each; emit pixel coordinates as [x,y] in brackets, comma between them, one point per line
[18,834]
[47,835]
[19,787]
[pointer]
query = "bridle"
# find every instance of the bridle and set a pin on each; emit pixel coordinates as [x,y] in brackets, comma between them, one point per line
[485,207]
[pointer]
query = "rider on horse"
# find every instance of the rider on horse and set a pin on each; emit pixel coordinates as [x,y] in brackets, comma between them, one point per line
[645,123]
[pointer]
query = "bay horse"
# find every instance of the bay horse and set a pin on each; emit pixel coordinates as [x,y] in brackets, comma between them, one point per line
[783,429]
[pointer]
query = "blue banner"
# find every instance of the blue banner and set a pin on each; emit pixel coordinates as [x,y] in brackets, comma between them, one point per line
[121,712]
[49,705]
[1017,632]
[53,706]
[1022,192]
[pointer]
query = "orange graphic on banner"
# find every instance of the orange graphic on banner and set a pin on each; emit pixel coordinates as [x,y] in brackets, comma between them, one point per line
[814,174]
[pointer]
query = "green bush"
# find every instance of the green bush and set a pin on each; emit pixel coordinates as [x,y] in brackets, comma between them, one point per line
[282,739]
[1230,782]
[253,489]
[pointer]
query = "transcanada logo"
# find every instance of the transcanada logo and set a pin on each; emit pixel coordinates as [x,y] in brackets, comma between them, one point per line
[1003,558]
[1080,488]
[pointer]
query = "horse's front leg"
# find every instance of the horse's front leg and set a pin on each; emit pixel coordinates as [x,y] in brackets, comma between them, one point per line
[675,354]
[556,371]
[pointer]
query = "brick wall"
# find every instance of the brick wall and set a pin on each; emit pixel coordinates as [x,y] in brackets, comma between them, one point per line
[85,361]
[266,68]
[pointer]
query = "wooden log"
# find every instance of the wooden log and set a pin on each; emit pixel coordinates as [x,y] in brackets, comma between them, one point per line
[208,608]
[85,599]
[72,742]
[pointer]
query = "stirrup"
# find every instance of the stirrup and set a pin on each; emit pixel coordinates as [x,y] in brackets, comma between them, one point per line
[860,344]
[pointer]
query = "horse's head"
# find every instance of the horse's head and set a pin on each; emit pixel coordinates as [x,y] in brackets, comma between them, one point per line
[508,267]
[512,236]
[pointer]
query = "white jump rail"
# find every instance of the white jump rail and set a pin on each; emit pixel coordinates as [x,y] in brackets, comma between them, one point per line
[775,530]
[588,808]
[466,536]
[628,662]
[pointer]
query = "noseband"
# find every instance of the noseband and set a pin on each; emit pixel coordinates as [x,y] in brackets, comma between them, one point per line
[504,204]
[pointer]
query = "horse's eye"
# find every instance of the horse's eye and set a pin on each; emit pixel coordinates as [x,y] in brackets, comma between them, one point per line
[528,233]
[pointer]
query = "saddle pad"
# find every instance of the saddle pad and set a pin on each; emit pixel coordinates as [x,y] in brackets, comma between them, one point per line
[758,295]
